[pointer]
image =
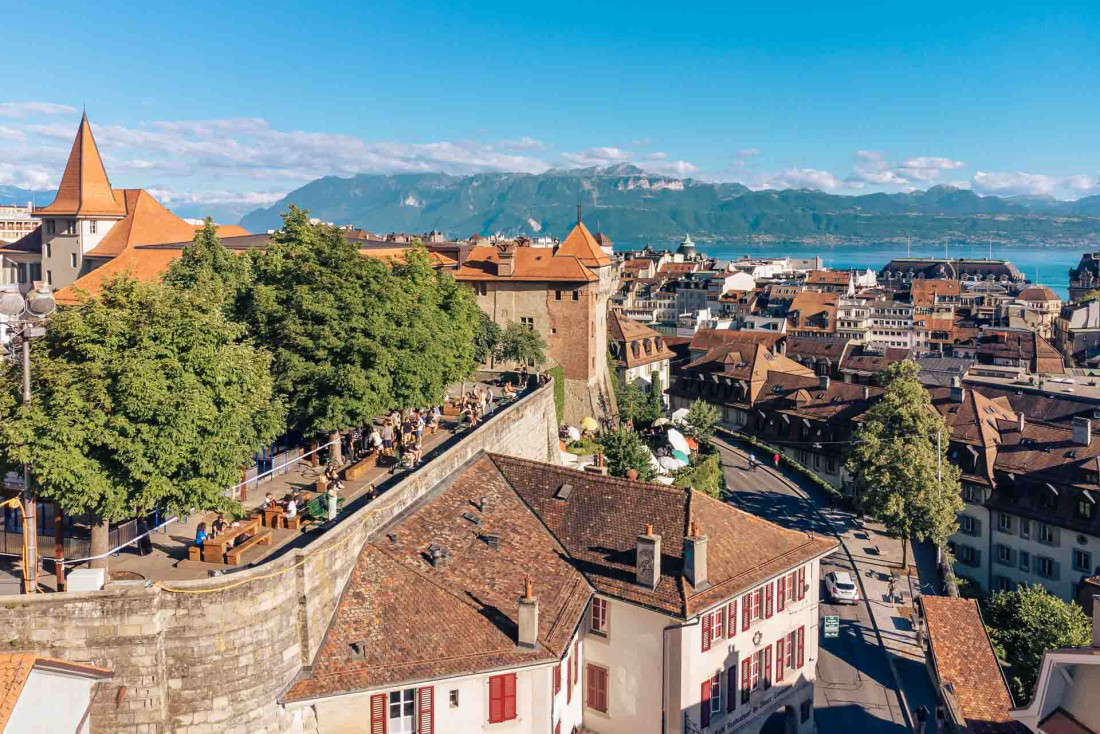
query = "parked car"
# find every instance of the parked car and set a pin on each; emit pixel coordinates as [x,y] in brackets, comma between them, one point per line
[841,587]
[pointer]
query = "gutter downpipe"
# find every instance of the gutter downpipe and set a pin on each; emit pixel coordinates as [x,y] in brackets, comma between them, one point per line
[664,676]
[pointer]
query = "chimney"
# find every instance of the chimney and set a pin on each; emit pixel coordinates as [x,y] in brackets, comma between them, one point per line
[506,261]
[632,475]
[528,617]
[648,558]
[866,392]
[823,382]
[1082,431]
[695,557]
[958,393]
[578,213]
[1021,421]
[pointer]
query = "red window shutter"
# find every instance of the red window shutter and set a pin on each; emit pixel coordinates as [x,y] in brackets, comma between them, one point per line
[781,594]
[569,682]
[731,688]
[769,591]
[768,667]
[801,643]
[378,714]
[509,696]
[707,620]
[496,699]
[780,661]
[591,694]
[426,710]
[731,619]
[557,678]
[557,728]
[576,662]
[746,609]
[801,583]
[704,705]
[746,679]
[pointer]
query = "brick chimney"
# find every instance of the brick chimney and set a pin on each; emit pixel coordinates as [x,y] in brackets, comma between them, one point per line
[648,558]
[1082,431]
[506,260]
[528,617]
[823,382]
[695,557]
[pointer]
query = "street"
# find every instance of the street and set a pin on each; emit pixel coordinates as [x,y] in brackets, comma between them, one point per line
[855,691]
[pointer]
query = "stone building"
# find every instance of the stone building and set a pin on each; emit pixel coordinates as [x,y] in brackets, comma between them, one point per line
[638,351]
[1084,278]
[563,294]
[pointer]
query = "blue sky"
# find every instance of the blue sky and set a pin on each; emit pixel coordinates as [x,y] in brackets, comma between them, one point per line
[241,102]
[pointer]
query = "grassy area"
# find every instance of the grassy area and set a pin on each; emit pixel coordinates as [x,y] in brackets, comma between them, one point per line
[584,446]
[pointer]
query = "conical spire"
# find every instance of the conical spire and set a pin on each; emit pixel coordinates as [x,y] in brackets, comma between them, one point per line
[581,244]
[85,189]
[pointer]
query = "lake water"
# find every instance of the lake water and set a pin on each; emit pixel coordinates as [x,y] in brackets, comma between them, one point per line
[1047,265]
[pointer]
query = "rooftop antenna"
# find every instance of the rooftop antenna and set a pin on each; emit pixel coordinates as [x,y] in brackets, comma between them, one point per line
[578,212]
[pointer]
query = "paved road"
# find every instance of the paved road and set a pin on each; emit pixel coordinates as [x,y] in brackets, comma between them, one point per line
[855,690]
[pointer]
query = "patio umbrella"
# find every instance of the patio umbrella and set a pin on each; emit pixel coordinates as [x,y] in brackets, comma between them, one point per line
[590,424]
[574,434]
[682,456]
[661,422]
[678,442]
[679,415]
[653,463]
[671,463]
[664,480]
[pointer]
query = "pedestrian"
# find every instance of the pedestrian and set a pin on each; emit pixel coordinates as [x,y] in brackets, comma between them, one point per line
[332,493]
[776,459]
[752,463]
[387,437]
[523,376]
[893,588]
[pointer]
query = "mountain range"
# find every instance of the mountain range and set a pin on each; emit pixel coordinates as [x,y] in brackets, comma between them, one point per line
[633,206]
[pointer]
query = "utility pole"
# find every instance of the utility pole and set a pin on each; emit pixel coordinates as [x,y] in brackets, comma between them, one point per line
[30,503]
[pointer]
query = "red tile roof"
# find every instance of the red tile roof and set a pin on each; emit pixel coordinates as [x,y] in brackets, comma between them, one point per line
[84,189]
[582,245]
[538,264]
[964,659]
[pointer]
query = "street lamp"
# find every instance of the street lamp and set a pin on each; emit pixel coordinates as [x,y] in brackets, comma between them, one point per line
[24,317]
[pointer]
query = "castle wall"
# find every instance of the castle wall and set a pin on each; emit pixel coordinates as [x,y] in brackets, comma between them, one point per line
[205,657]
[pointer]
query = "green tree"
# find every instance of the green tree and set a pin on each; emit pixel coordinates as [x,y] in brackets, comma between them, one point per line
[624,450]
[144,397]
[704,476]
[655,400]
[521,344]
[209,266]
[904,482]
[632,401]
[351,335]
[486,337]
[700,421]
[1025,623]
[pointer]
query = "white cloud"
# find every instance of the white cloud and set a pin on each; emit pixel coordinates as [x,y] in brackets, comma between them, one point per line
[599,156]
[524,143]
[748,153]
[800,178]
[27,109]
[1019,182]
[679,169]
[10,133]
[1082,184]
[217,196]
[658,156]
[874,167]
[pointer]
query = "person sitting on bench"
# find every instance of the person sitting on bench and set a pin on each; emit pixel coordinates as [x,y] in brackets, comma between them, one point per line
[269,500]
[218,527]
[291,509]
[200,534]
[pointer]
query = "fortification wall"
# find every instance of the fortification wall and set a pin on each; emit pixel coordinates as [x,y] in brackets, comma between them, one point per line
[212,655]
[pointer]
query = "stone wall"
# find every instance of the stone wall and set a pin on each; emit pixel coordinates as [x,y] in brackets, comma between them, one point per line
[212,655]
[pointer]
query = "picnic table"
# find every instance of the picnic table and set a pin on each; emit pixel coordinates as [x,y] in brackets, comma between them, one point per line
[213,549]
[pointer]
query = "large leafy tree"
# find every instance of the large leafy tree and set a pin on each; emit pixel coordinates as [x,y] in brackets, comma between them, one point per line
[624,450]
[631,399]
[144,397]
[352,335]
[700,421]
[209,266]
[486,337]
[704,476]
[904,482]
[1025,623]
[521,344]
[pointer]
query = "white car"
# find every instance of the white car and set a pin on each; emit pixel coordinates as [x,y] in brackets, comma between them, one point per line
[841,587]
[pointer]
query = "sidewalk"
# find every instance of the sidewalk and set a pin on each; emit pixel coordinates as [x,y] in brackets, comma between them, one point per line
[877,558]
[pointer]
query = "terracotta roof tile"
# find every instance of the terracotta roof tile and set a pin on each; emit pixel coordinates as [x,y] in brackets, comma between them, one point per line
[580,244]
[146,265]
[531,264]
[84,189]
[964,658]
[632,339]
[812,311]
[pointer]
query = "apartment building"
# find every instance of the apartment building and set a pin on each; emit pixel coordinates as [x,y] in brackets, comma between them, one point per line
[526,597]
[638,351]
[891,324]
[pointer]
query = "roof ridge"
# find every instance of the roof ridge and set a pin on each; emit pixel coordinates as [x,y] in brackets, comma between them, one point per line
[603,478]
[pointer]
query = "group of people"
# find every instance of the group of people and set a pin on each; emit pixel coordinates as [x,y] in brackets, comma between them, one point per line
[477,404]
[402,433]
[291,507]
[216,528]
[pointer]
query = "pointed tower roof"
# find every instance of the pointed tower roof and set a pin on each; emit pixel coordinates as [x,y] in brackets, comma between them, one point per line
[582,245]
[85,189]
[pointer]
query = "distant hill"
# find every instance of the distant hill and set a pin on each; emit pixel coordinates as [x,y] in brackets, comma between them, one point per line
[15,195]
[632,206]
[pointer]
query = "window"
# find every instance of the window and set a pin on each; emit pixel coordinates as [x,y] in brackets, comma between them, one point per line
[454,698]
[481,289]
[757,663]
[719,627]
[596,697]
[72,259]
[716,694]
[1004,554]
[528,322]
[21,272]
[1046,534]
[51,227]
[971,493]
[1045,567]
[48,249]
[557,295]
[1084,509]
[1003,583]
[599,616]
[746,679]
[1082,561]
[1025,528]
[1025,561]
[93,226]
[36,271]
[402,715]
[965,554]
[830,465]
[967,525]
[576,295]
[1004,522]
[502,698]
[49,277]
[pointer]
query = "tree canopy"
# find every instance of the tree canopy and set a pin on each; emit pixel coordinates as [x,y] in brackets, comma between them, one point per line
[700,421]
[705,476]
[1025,623]
[896,466]
[353,336]
[144,397]
[624,450]
[521,344]
[210,267]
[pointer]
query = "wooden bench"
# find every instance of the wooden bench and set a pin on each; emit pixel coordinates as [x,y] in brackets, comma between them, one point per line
[292,523]
[194,553]
[213,549]
[233,555]
[360,468]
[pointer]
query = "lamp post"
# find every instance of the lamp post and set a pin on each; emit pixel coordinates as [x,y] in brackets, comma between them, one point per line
[25,322]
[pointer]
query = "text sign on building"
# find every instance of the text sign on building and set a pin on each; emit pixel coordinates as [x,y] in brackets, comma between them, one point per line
[832,626]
